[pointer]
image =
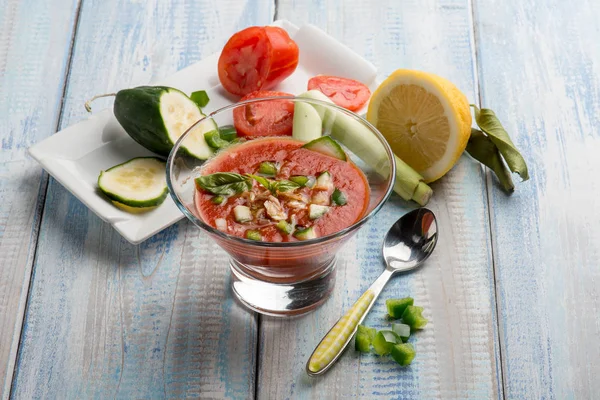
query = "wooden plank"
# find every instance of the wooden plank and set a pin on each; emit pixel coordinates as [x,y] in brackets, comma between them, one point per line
[108,319]
[540,71]
[458,351]
[35,40]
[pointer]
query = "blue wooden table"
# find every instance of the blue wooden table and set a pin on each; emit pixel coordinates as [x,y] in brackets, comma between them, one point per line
[512,291]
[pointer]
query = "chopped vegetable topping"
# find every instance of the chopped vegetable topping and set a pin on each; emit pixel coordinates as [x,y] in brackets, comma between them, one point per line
[221,224]
[253,235]
[300,180]
[228,132]
[242,214]
[213,139]
[324,181]
[267,168]
[316,211]
[305,234]
[401,330]
[200,97]
[338,197]
[274,209]
[396,307]
[218,199]
[412,317]
[285,227]
[384,341]
[364,338]
[403,353]
[321,198]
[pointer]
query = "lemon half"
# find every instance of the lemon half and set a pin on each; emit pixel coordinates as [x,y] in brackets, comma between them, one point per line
[425,119]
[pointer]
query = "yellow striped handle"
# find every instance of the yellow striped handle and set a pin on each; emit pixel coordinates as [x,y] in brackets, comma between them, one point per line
[335,339]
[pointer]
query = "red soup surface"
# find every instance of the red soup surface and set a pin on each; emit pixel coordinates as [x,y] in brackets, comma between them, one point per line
[284,216]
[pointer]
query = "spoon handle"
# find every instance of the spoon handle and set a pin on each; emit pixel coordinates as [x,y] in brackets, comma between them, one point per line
[338,337]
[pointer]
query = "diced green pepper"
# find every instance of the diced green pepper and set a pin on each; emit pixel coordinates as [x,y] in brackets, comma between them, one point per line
[338,197]
[396,307]
[371,332]
[412,317]
[285,227]
[200,97]
[227,132]
[299,179]
[253,235]
[267,168]
[403,353]
[401,330]
[218,199]
[213,139]
[384,341]
[362,342]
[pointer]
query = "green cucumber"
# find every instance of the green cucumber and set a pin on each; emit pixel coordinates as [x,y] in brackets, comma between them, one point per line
[384,341]
[253,235]
[324,181]
[401,330]
[403,353]
[156,116]
[360,141]
[299,179]
[338,197]
[138,183]
[305,234]
[285,227]
[267,168]
[316,211]
[242,214]
[307,124]
[328,146]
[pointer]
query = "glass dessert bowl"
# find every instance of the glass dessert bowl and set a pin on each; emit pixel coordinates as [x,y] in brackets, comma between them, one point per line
[281,206]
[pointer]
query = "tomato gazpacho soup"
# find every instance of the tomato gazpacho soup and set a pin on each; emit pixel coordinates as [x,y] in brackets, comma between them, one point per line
[281,190]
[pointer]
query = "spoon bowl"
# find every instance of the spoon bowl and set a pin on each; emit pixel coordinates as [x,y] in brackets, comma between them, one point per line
[408,243]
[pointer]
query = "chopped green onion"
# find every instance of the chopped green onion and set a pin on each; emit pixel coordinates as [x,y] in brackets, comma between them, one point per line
[384,341]
[396,307]
[403,353]
[200,97]
[285,227]
[401,330]
[213,139]
[267,168]
[299,179]
[227,132]
[338,197]
[412,317]
[218,200]
[253,235]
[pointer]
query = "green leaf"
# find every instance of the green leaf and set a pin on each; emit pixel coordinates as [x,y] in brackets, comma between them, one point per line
[263,181]
[490,124]
[200,97]
[284,186]
[481,148]
[224,183]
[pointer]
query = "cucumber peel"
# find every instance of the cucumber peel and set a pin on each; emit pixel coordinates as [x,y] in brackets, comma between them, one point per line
[328,146]
[139,183]
[359,140]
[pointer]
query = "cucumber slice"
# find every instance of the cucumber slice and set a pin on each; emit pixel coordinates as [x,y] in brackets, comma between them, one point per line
[253,235]
[139,182]
[328,146]
[316,211]
[299,179]
[307,123]
[324,181]
[338,197]
[305,234]
[285,227]
[267,168]
[179,113]
[242,214]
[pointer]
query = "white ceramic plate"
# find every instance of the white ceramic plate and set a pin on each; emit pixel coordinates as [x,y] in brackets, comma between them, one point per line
[76,155]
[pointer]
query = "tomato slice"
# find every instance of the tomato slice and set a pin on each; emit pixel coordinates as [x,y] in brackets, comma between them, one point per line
[344,92]
[272,118]
[257,58]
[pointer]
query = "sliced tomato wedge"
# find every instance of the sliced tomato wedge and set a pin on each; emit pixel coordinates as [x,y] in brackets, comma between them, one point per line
[272,118]
[344,92]
[257,58]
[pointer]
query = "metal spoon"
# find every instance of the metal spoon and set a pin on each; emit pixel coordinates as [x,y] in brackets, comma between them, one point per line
[408,243]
